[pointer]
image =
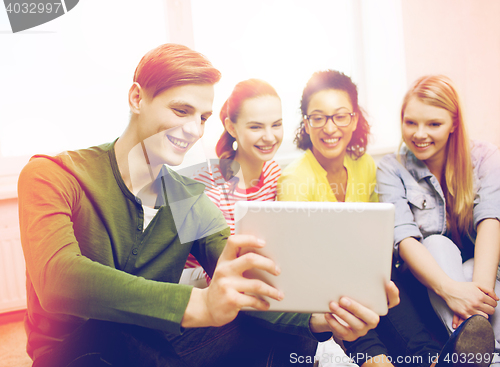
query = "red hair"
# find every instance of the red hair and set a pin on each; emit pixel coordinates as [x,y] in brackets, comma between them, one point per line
[247,89]
[172,65]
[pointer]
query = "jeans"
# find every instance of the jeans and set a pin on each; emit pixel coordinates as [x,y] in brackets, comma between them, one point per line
[401,334]
[448,257]
[239,343]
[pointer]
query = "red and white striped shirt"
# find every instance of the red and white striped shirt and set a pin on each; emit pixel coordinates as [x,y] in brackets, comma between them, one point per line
[221,193]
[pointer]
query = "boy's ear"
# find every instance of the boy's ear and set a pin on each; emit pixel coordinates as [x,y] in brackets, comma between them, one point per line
[135,96]
[228,124]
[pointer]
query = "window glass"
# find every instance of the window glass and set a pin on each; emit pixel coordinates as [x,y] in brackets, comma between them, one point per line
[65,83]
[282,42]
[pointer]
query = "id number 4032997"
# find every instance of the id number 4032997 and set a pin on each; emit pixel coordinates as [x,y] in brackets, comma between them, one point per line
[34,8]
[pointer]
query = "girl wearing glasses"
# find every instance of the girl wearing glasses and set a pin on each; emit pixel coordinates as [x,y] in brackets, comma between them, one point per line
[446,190]
[334,135]
[253,132]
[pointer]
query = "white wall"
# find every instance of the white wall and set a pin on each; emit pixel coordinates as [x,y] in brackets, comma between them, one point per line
[461,39]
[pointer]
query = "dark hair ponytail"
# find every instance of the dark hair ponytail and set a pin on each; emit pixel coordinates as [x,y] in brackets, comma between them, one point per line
[247,89]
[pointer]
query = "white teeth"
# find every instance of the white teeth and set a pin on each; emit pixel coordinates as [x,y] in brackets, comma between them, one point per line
[422,145]
[179,143]
[331,141]
[265,148]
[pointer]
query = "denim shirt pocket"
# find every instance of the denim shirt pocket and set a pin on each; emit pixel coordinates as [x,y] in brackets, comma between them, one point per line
[425,211]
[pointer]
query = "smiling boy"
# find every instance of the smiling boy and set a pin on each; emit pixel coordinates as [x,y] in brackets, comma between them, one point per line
[106,232]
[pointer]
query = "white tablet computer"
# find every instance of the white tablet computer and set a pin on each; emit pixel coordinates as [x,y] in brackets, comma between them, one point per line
[325,250]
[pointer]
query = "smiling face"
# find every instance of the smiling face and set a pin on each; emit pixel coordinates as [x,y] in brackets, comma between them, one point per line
[330,142]
[426,130]
[170,123]
[258,129]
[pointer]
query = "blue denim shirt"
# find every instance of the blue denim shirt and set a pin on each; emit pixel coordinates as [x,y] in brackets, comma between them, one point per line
[419,199]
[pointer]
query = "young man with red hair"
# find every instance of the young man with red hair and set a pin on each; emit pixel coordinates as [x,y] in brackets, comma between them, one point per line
[106,232]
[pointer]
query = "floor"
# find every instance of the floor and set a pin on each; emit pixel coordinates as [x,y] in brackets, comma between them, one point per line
[13,341]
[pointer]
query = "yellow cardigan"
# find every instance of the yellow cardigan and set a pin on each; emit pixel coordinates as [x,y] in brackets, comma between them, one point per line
[305,180]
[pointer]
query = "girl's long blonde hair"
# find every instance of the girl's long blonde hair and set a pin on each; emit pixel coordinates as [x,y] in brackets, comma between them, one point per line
[458,188]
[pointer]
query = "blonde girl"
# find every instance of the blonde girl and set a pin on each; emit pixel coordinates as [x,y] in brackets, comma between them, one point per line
[446,190]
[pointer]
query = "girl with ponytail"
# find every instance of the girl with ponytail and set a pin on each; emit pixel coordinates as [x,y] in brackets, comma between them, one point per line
[253,132]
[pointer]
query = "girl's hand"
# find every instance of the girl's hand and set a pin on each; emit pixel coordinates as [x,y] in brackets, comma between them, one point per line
[457,320]
[348,319]
[469,298]
[392,294]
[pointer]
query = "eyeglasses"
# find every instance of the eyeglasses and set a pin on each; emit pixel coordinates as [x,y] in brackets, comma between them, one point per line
[339,119]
